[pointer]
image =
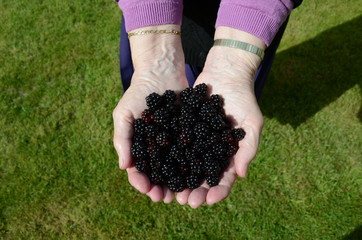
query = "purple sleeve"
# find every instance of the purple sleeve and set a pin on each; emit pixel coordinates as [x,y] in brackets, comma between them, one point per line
[142,13]
[262,18]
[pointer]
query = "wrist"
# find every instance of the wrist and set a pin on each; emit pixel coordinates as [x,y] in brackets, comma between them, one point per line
[155,49]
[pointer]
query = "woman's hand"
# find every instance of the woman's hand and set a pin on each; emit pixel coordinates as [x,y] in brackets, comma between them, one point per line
[159,66]
[230,72]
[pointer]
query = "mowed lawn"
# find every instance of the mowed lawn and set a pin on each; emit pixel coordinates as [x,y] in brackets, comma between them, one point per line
[59,172]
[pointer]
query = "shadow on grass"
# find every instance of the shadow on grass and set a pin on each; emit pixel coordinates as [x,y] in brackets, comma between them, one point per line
[307,77]
[355,235]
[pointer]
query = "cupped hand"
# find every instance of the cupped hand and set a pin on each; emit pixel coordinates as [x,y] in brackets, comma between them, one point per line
[234,82]
[159,66]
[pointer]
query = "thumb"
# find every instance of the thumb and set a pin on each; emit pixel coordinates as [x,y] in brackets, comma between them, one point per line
[122,139]
[248,148]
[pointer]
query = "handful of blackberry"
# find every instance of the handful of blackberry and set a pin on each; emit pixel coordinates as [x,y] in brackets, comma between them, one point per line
[180,141]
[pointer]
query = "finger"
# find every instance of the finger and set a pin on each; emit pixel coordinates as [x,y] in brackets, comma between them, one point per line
[221,191]
[168,195]
[155,193]
[248,148]
[122,140]
[198,196]
[182,197]
[138,180]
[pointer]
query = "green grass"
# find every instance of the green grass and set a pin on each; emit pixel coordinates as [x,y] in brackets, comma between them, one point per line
[59,172]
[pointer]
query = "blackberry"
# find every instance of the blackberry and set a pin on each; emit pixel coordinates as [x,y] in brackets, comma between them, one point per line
[147,116]
[195,101]
[211,167]
[219,150]
[193,181]
[216,122]
[151,130]
[186,135]
[142,165]
[213,138]
[227,136]
[139,150]
[206,110]
[162,115]
[185,95]
[212,180]
[216,101]
[199,145]
[238,134]
[176,152]
[156,177]
[155,163]
[197,166]
[188,120]
[201,90]
[231,149]
[139,127]
[154,151]
[169,96]
[190,154]
[162,139]
[169,169]
[201,130]
[154,101]
[176,184]
[187,110]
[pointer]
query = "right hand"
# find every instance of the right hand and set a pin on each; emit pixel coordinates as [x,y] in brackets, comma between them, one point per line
[159,66]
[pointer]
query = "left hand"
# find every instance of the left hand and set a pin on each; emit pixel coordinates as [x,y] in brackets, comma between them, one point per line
[235,83]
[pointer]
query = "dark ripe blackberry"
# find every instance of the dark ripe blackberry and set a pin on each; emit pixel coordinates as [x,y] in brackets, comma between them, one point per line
[173,109]
[238,134]
[201,90]
[162,139]
[154,101]
[213,138]
[197,166]
[231,149]
[169,169]
[176,152]
[199,145]
[186,135]
[156,177]
[193,181]
[216,122]
[139,127]
[190,154]
[188,120]
[139,150]
[154,151]
[176,184]
[169,96]
[201,130]
[138,138]
[182,161]
[162,115]
[219,150]
[185,95]
[142,165]
[187,110]
[174,124]
[216,101]
[151,130]
[226,136]
[212,180]
[212,167]
[155,163]
[206,110]
[147,116]
[195,101]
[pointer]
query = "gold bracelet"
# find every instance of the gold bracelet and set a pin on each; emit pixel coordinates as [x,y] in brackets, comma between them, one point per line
[240,45]
[153,32]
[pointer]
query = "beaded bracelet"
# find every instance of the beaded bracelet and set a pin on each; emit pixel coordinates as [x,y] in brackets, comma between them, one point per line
[144,32]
